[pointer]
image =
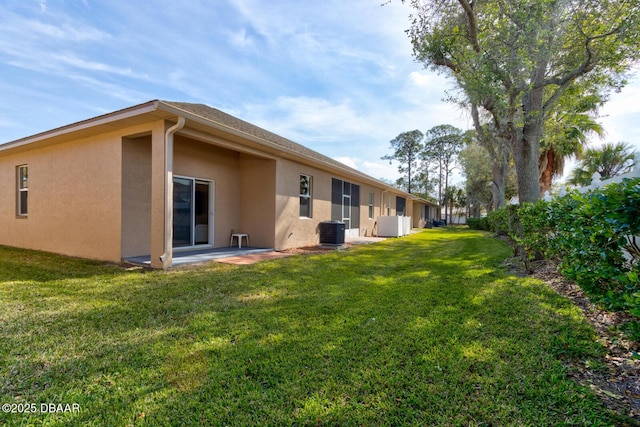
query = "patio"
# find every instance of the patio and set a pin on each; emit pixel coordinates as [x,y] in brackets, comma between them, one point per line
[235,255]
[201,255]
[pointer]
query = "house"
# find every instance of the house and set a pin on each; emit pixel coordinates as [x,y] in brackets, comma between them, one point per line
[166,176]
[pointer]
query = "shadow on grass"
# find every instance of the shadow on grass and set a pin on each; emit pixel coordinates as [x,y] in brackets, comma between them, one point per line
[413,331]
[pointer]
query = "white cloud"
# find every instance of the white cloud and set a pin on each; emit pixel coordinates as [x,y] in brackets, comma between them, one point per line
[309,119]
[347,161]
[381,169]
[114,90]
[422,79]
[27,30]
[621,117]
[241,40]
[76,62]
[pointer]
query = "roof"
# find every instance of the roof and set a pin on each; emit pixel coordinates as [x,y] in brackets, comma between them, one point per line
[195,114]
[220,117]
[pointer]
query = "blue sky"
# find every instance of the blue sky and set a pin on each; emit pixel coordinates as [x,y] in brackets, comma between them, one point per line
[334,75]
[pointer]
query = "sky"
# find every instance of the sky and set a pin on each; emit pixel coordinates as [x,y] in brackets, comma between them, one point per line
[336,76]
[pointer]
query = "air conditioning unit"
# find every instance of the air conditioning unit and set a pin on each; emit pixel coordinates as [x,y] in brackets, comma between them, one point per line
[332,232]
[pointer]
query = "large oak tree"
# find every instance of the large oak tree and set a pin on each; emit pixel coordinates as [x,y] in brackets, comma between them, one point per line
[516,58]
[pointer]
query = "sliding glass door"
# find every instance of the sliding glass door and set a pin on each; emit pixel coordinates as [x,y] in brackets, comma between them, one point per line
[192,212]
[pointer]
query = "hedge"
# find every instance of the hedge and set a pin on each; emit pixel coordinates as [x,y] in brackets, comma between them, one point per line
[591,234]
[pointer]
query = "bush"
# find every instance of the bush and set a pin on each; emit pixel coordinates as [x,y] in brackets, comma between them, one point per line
[499,221]
[592,231]
[478,223]
[591,234]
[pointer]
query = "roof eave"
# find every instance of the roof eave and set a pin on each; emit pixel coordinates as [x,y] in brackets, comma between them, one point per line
[105,119]
[346,170]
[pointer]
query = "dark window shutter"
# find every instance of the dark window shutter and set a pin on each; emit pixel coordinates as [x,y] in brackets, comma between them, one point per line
[355,206]
[336,199]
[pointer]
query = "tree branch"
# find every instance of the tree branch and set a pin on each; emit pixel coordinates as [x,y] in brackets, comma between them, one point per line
[588,64]
[473,24]
[447,63]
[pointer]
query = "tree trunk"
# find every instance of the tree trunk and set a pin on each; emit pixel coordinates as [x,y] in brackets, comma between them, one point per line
[526,146]
[498,149]
[547,162]
[498,185]
[499,169]
[446,188]
[525,155]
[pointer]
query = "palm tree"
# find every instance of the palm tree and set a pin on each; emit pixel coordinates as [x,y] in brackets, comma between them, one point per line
[609,160]
[567,131]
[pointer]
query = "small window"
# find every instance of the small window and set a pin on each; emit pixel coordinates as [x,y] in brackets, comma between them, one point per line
[370,205]
[23,189]
[305,196]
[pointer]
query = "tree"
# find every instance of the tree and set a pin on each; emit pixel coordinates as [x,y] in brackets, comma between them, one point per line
[566,132]
[478,167]
[516,58]
[407,148]
[609,160]
[454,198]
[497,146]
[442,145]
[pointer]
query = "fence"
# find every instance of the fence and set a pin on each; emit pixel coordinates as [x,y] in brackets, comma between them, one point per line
[596,182]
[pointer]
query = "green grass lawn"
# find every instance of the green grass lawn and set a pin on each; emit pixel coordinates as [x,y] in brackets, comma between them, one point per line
[422,330]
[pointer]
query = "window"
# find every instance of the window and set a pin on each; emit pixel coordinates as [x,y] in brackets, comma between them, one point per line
[401,206]
[345,203]
[305,196]
[370,205]
[23,189]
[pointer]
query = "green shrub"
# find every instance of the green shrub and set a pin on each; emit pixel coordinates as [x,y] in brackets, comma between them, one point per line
[591,232]
[588,233]
[499,221]
[478,223]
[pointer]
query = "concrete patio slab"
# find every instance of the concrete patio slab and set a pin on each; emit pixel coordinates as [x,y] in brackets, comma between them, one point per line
[181,258]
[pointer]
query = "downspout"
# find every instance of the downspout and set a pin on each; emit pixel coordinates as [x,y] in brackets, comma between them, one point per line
[382,202]
[168,193]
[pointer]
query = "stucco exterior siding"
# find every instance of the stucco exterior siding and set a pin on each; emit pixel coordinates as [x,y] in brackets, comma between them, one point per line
[257,201]
[291,229]
[207,162]
[136,196]
[73,199]
[244,189]
[417,217]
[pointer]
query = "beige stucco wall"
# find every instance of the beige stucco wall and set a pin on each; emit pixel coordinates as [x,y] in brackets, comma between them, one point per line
[257,202]
[417,217]
[294,231]
[136,196]
[259,195]
[244,188]
[74,198]
[200,160]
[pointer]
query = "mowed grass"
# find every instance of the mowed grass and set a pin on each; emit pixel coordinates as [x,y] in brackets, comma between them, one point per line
[422,330]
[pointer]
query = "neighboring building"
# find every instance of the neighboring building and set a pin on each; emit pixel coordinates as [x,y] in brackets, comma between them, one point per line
[164,176]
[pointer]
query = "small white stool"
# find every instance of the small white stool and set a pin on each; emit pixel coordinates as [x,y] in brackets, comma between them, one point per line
[239,236]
